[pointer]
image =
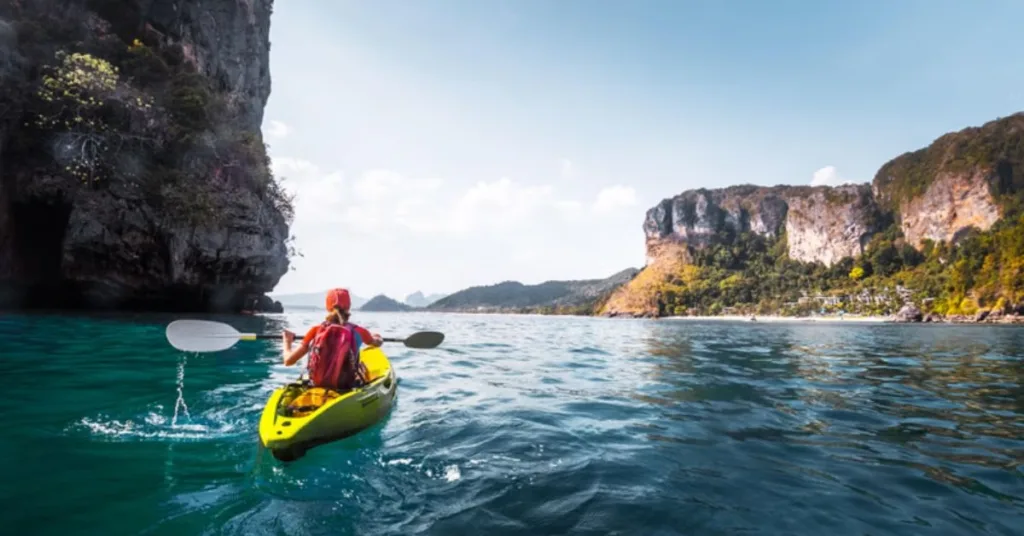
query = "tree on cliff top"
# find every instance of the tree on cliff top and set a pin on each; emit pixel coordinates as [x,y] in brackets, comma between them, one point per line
[92,114]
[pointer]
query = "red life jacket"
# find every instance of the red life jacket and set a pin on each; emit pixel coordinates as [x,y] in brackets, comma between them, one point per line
[333,359]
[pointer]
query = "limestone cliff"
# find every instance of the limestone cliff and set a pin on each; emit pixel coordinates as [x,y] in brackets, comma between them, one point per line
[821,224]
[952,204]
[132,170]
[712,249]
[965,179]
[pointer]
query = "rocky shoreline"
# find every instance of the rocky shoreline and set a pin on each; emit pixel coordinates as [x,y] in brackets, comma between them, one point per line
[911,314]
[906,315]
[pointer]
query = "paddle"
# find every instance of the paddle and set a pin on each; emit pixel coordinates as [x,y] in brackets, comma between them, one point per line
[208,336]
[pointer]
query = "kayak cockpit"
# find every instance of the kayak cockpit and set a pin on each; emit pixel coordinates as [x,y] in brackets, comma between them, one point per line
[299,415]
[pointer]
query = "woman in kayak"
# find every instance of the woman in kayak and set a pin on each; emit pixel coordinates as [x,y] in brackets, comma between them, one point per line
[338,303]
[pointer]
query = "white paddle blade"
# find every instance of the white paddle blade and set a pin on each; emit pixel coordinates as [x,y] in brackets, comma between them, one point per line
[201,335]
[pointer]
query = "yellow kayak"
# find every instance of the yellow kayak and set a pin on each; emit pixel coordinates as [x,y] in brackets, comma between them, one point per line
[298,417]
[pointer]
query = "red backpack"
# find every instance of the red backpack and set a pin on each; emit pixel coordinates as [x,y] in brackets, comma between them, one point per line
[333,359]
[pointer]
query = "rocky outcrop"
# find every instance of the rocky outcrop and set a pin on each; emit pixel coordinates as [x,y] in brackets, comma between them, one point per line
[174,208]
[227,41]
[909,313]
[264,304]
[952,204]
[821,224]
[826,224]
[642,294]
[965,180]
[698,217]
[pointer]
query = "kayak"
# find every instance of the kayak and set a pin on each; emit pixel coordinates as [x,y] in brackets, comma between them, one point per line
[298,416]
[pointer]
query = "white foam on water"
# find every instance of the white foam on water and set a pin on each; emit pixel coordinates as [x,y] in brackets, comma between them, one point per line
[181,426]
[152,427]
[452,473]
[180,403]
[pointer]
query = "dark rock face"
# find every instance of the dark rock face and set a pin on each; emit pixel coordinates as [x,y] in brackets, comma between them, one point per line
[909,313]
[227,40]
[933,318]
[126,241]
[263,304]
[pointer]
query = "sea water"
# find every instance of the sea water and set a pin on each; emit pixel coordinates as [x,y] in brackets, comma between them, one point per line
[524,425]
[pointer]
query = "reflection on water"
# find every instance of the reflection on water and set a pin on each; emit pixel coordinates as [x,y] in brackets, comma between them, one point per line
[925,411]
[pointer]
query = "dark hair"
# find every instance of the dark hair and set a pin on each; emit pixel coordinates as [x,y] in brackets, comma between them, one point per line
[338,315]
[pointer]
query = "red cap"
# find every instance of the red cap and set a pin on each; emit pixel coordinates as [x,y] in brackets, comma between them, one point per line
[338,297]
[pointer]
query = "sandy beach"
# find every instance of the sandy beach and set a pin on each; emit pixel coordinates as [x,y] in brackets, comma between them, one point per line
[845,319]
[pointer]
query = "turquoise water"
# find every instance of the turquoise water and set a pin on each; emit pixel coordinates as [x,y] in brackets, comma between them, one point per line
[525,425]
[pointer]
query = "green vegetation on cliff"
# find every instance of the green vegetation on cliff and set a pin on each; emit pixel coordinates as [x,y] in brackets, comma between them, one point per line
[744,273]
[750,274]
[995,148]
[104,104]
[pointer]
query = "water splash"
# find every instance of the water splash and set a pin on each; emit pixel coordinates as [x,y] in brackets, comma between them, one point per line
[218,421]
[180,402]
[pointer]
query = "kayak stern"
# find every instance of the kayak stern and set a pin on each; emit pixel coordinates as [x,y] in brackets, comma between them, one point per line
[298,417]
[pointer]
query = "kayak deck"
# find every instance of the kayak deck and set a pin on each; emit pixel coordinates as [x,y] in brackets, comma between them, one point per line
[298,417]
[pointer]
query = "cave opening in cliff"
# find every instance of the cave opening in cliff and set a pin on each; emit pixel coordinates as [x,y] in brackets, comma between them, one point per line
[39,229]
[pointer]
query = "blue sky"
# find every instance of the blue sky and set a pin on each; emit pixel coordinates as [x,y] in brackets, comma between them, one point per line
[443,144]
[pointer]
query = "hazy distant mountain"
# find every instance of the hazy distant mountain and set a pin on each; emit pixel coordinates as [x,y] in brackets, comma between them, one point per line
[384,304]
[513,296]
[417,299]
[308,300]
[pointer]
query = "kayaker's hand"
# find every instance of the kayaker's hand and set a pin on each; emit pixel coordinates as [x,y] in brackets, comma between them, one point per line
[288,337]
[377,340]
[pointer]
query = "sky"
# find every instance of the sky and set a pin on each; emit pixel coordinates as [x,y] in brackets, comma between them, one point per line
[440,144]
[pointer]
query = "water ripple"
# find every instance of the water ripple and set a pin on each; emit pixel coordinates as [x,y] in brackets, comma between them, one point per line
[530,425]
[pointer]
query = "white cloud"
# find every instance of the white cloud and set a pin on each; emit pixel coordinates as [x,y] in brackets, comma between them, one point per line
[277,129]
[293,169]
[613,198]
[566,168]
[497,205]
[432,233]
[829,176]
[385,202]
[383,184]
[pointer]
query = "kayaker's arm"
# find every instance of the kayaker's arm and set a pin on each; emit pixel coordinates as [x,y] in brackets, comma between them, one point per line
[292,356]
[369,339]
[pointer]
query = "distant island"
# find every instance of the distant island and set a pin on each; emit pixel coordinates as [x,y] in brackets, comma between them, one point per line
[549,297]
[417,299]
[311,300]
[383,304]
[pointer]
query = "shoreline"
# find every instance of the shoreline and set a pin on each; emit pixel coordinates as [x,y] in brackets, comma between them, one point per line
[772,319]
